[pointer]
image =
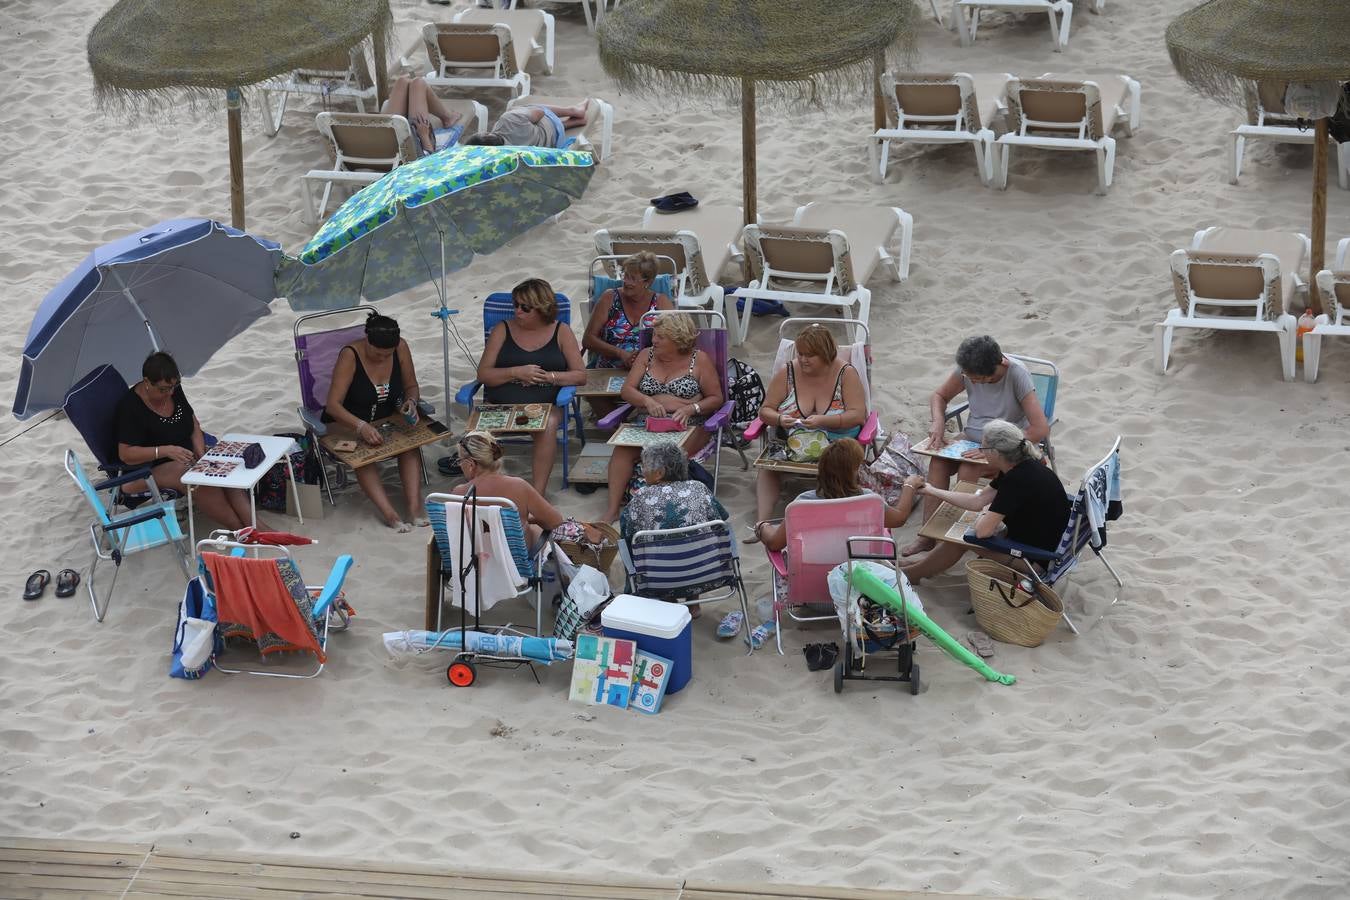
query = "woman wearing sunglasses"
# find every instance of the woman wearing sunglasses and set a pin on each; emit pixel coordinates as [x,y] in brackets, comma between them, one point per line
[528,358]
[156,427]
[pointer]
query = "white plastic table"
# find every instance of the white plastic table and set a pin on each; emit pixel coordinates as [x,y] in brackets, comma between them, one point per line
[244,478]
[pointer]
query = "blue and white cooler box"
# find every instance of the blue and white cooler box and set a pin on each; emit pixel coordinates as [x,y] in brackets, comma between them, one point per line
[657,627]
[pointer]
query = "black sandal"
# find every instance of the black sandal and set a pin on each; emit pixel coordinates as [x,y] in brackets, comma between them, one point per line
[66,582]
[36,584]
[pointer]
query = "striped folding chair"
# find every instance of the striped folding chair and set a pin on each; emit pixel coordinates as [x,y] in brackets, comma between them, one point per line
[695,564]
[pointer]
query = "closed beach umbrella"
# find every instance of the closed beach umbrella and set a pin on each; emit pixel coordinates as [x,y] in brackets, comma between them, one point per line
[779,54]
[1219,45]
[157,53]
[427,218]
[185,286]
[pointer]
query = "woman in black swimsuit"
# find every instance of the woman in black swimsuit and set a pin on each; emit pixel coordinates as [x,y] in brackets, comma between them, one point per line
[670,378]
[527,359]
[374,378]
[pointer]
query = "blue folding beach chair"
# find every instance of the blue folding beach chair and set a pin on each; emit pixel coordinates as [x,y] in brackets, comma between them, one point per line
[499,307]
[686,565]
[1096,502]
[151,525]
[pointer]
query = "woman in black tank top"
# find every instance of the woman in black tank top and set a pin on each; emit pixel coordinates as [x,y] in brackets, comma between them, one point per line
[372,379]
[528,359]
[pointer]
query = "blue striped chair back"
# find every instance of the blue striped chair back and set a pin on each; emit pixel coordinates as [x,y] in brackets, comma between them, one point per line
[498,307]
[515,538]
[681,564]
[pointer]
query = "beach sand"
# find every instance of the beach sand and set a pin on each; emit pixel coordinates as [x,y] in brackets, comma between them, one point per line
[1190,745]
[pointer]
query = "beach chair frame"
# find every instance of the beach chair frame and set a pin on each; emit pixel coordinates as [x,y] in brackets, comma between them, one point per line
[1268,121]
[928,108]
[350,82]
[966,16]
[693,289]
[472,55]
[1333,286]
[366,147]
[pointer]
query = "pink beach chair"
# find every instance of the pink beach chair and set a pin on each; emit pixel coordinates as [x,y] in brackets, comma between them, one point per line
[818,532]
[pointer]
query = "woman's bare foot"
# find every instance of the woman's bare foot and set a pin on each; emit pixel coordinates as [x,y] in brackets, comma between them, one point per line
[917,546]
[393,521]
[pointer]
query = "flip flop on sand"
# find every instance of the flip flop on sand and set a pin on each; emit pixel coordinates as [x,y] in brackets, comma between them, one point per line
[762,633]
[982,643]
[730,626]
[36,584]
[67,580]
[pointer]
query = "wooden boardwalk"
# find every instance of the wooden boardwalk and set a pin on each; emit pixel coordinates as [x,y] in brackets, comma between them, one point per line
[62,870]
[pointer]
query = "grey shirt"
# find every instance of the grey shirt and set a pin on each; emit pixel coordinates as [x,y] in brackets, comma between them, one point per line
[1000,400]
[517,130]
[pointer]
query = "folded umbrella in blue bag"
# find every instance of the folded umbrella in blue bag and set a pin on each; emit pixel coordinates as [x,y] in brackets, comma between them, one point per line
[195,642]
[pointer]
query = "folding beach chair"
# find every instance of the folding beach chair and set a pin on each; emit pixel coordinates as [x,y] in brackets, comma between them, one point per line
[712,339]
[499,307]
[1097,501]
[265,601]
[1333,286]
[858,354]
[153,524]
[1236,279]
[814,260]
[316,354]
[818,532]
[1055,113]
[945,108]
[520,575]
[344,75]
[1267,120]
[687,565]
[1044,380]
[596,133]
[692,288]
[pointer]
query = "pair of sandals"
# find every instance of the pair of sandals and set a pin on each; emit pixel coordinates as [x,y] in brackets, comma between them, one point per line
[674,202]
[67,580]
[731,623]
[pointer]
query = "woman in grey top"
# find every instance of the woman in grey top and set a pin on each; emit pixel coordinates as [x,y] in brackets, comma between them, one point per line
[996,387]
[531,126]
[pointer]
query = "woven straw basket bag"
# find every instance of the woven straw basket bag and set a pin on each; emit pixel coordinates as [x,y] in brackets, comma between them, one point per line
[1005,610]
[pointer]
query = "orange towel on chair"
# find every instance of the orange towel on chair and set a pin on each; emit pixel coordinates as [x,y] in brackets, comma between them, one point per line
[254,601]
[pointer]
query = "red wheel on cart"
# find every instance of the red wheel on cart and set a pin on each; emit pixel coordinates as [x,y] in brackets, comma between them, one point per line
[461,672]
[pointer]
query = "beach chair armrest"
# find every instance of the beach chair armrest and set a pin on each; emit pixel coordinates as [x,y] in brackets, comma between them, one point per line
[566,396]
[614,419]
[955,412]
[1012,548]
[720,418]
[868,433]
[129,475]
[464,396]
[778,561]
[753,430]
[313,420]
[333,586]
[135,518]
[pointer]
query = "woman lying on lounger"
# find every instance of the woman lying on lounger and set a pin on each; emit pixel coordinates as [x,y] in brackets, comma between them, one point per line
[1025,496]
[531,126]
[413,99]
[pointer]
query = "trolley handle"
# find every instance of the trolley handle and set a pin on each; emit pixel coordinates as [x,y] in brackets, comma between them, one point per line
[872,539]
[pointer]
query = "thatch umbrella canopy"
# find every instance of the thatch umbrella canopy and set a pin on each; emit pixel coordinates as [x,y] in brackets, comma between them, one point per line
[1221,44]
[790,54]
[148,54]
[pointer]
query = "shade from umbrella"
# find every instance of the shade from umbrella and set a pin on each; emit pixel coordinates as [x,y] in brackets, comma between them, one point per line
[186,286]
[755,51]
[144,51]
[427,218]
[1219,45]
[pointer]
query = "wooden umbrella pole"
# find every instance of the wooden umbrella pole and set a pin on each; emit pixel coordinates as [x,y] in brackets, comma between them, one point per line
[748,148]
[878,104]
[381,68]
[235,128]
[1319,213]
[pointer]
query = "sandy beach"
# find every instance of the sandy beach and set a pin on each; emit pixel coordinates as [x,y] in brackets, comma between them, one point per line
[1191,744]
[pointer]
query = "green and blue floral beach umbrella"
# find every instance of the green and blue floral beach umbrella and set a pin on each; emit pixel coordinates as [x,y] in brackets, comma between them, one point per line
[430,217]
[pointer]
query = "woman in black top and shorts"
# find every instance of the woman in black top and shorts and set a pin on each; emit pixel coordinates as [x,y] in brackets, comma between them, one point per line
[1025,496]
[527,359]
[156,427]
[374,378]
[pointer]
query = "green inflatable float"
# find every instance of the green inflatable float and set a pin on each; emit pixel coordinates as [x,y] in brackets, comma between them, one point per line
[878,591]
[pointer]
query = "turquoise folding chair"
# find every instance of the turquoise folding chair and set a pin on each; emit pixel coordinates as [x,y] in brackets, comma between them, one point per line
[150,525]
[1045,380]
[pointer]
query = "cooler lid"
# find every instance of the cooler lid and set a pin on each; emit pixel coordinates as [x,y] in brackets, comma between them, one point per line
[645,616]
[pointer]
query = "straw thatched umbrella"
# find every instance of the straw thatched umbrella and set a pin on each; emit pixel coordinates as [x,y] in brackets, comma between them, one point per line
[1221,44]
[151,54]
[790,54]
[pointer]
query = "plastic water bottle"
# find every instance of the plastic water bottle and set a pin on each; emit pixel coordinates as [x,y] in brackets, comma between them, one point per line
[1306,323]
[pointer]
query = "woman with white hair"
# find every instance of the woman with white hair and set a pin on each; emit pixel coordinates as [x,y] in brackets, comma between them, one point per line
[671,498]
[1025,499]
